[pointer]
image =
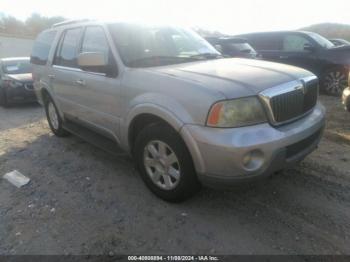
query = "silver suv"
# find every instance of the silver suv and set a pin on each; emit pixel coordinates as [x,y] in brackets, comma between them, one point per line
[187,116]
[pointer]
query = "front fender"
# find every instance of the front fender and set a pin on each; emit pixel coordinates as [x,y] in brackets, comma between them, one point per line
[158,105]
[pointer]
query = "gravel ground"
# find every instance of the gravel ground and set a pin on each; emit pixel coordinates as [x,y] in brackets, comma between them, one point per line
[82,200]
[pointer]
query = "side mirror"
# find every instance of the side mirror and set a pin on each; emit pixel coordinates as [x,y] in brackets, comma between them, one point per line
[309,47]
[92,60]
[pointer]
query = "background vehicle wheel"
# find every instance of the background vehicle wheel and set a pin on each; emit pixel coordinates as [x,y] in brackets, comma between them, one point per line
[165,163]
[334,81]
[54,119]
[3,100]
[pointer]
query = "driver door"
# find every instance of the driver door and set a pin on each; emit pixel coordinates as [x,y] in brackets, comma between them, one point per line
[294,51]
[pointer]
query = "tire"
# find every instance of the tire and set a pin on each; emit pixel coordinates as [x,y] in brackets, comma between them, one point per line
[334,81]
[3,99]
[174,177]
[54,119]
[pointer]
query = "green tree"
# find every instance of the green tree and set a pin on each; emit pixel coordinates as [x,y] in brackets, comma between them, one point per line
[37,23]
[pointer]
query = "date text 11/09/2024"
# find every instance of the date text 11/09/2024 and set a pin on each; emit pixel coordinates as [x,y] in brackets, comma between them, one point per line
[173,258]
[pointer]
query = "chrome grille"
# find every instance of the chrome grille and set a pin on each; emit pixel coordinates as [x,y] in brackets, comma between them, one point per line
[290,101]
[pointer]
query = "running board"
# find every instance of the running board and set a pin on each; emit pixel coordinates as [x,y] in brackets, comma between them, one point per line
[94,138]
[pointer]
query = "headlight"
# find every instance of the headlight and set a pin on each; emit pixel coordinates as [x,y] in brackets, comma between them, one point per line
[13,83]
[235,113]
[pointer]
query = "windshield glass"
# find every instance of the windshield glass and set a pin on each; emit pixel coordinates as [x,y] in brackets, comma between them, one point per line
[16,67]
[321,40]
[142,46]
[241,47]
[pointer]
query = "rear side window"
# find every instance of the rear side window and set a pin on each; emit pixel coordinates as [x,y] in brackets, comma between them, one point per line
[41,48]
[66,55]
[268,42]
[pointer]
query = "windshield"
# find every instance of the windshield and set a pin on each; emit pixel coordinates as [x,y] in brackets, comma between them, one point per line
[16,67]
[321,40]
[143,46]
[241,47]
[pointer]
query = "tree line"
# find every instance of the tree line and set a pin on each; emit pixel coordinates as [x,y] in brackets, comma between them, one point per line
[330,30]
[31,27]
[36,23]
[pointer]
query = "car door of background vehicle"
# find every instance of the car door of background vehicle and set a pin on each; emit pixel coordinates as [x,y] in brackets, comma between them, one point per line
[294,53]
[99,91]
[63,73]
[268,45]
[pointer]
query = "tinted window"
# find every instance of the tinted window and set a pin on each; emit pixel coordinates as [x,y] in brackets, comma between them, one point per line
[16,67]
[41,48]
[321,40]
[268,42]
[95,41]
[294,43]
[241,47]
[67,54]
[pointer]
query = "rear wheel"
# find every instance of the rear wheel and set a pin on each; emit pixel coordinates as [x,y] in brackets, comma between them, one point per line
[165,164]
[54,119]
[334,81]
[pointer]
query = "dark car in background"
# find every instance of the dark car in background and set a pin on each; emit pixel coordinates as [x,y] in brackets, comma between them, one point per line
[233,47]
[16,83]
[307,50]
[339,41]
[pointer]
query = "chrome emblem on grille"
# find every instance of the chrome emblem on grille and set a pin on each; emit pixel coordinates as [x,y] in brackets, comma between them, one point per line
[302,87]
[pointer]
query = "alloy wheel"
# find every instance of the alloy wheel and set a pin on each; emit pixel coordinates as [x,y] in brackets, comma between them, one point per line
[162,165]
[335,82]
[53,117]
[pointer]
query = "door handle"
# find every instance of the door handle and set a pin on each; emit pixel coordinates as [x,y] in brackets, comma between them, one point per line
[284,57]
[80,82]
[51,76]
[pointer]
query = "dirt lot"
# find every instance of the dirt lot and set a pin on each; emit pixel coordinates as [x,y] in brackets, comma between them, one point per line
[83,201]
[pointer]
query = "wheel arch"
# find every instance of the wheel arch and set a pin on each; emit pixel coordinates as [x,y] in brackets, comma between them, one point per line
[46,94]
[144,115]
[329,67]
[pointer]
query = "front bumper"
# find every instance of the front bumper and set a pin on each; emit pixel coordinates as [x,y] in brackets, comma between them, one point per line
[346,98]
[20,95]
[226,156]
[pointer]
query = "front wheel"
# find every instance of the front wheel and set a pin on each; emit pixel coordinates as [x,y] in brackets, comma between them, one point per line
[54,119]
[334,81]
[165,163]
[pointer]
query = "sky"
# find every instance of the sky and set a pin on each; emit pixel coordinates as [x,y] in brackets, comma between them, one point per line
[230,17]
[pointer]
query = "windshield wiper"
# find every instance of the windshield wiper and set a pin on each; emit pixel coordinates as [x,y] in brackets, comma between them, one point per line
[152,58]
[206,56]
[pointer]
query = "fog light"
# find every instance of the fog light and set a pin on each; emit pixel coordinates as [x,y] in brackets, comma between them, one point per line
[247,158]
[253,160]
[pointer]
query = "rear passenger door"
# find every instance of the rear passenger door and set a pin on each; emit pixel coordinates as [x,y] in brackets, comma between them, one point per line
[268,45]
[63,74]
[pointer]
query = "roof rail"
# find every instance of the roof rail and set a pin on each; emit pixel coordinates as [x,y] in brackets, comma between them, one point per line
[68,22]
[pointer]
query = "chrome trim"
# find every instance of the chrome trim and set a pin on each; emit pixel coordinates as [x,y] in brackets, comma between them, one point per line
[74,69]
[266,95]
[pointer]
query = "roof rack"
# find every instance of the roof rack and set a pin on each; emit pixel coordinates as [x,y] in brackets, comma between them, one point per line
[68,22]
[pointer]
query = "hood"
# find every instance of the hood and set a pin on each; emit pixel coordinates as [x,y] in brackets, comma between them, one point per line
[236,77]
[340,48]
[21,77]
